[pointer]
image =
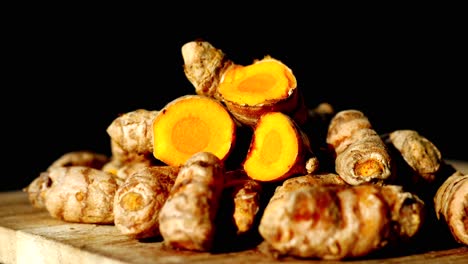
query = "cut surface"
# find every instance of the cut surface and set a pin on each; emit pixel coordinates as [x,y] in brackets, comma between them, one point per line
[274,148]
[192,124]
[260,82]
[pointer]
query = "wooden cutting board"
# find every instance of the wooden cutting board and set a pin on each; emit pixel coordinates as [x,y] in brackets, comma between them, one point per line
[29,235]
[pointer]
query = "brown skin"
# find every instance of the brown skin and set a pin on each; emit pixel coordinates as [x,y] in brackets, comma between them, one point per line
[36,189]
[422,156]
[321,216]
[132,131]
[78,194]
[325,221]
[187,218]
[139,199]
[204,66]
[451,206]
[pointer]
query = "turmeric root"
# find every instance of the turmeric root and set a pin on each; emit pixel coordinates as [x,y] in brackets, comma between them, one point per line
[132,131]
[37,187]
[419,153]
[186,220]
[361,155]
[451,205]
[76,194]
[310,218]
[246,194]
[326,221]
[204,66]
[191,124]
[139,199]
[278,150]
[249,91]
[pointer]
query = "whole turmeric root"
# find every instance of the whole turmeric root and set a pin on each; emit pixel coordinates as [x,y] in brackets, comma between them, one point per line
[76,194]
[326,222]
[187,218]
[191,124]
[139,199]
[313,217]
[361,155]
[419,153]
[279,149]
[451,205]
[37,187]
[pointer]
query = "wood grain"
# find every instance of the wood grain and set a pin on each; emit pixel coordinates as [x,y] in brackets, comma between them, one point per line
[29,235]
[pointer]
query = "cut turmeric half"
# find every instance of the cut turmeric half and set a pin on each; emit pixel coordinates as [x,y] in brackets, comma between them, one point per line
[191,124]
[267,85]
[278,149]
[264,80]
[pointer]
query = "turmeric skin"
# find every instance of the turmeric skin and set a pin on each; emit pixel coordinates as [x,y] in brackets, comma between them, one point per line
[330,222]
[419,153]
[314,216]
[132,131]
[451,205]
[139,199]
[76,194]
[37,188]
[191,124]
[204,66]
[187,218]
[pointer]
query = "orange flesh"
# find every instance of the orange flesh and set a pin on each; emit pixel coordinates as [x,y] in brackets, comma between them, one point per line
[259,83]
[192,124]
[263,81]
[272,145]
[368,168]
[274,149]
[190,135]
[132,201]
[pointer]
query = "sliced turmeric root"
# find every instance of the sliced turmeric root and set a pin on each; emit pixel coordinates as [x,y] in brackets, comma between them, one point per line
[267,85]
[191,124]
[279,149]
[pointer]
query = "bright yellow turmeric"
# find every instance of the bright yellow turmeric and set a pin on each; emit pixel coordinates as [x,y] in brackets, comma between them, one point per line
[279,149]
[191,124]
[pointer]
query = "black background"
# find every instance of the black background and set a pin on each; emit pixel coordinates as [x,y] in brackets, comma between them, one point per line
[69,74]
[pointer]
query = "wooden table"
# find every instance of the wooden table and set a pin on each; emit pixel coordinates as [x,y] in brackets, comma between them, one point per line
[29,235]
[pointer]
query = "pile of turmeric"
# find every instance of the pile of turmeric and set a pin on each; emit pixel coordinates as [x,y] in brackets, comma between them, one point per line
[310,182]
